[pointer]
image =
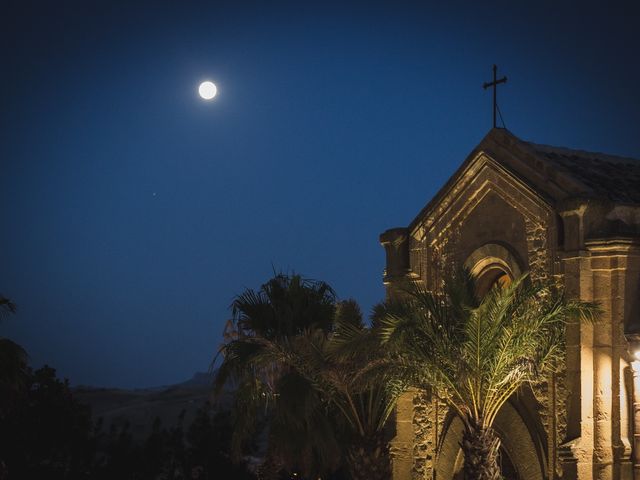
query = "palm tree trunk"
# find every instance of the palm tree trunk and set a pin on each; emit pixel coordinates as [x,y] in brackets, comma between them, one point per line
[481,447]
[369,460]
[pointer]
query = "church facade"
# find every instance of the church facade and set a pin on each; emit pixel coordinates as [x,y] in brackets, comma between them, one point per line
[562,215]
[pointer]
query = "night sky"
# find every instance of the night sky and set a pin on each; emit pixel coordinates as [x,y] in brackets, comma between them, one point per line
[133,211]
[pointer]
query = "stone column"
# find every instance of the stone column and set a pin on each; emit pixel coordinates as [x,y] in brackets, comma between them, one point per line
[576,450]
[396,246]
[635,367]
[401,447]
[615,289]
[605,389]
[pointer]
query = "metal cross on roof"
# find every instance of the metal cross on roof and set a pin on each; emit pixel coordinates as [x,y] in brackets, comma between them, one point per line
[494,84]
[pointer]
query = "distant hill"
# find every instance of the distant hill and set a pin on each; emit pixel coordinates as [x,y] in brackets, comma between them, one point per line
[141,406]
[199,379]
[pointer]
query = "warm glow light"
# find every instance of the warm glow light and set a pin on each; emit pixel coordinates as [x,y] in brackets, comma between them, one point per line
[207,90]
[636,354]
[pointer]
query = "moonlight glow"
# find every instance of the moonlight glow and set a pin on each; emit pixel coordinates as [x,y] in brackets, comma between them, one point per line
[207,90]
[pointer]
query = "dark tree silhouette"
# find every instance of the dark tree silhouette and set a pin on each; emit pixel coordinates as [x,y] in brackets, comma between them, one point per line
[300,362]
[49,434]
[13,364]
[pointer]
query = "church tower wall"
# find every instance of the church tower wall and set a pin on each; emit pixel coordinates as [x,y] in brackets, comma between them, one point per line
[492,216]
[506,209]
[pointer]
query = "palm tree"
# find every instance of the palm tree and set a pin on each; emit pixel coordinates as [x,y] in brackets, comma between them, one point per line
[342,368]
[266,326]
[475,354]
[307,362]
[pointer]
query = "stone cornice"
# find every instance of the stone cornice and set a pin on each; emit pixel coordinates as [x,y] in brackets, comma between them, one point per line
[614,245]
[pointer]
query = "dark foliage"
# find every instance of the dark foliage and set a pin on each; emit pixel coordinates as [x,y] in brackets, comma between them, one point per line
[168,453]
[302,366]
[48,434]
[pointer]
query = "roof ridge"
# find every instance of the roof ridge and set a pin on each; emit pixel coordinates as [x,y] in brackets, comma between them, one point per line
[569,171]
[538,147]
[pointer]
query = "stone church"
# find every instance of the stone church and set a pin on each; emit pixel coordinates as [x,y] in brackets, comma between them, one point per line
[567,215]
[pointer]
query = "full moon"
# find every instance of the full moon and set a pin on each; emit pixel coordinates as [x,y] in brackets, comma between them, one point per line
[207,90]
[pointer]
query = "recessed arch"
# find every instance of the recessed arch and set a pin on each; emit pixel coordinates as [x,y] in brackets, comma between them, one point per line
[521,455]
[492,264]
[494,253]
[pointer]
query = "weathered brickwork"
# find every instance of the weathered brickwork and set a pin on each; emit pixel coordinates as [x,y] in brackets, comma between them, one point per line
[425,435]
[538,250]
[551,392]
[429,414]
[417,256]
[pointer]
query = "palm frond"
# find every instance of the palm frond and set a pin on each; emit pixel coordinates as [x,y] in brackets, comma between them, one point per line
[7,307]
[474,354]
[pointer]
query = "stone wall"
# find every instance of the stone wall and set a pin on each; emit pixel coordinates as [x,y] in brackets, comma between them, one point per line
[487,209]
[580,422]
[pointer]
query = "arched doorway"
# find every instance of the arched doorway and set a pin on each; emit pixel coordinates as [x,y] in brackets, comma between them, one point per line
[494,275]
[521,451]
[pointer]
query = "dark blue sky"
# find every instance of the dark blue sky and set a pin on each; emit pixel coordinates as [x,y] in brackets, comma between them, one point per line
[132,211]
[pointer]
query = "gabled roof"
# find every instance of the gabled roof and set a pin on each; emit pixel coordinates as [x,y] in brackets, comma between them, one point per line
[606,176]
[556,173]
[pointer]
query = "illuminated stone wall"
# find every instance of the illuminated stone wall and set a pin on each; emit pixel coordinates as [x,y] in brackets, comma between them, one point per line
[500,210]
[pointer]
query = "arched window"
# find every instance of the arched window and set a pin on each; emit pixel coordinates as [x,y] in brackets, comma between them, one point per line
[491,276]
[492,264]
